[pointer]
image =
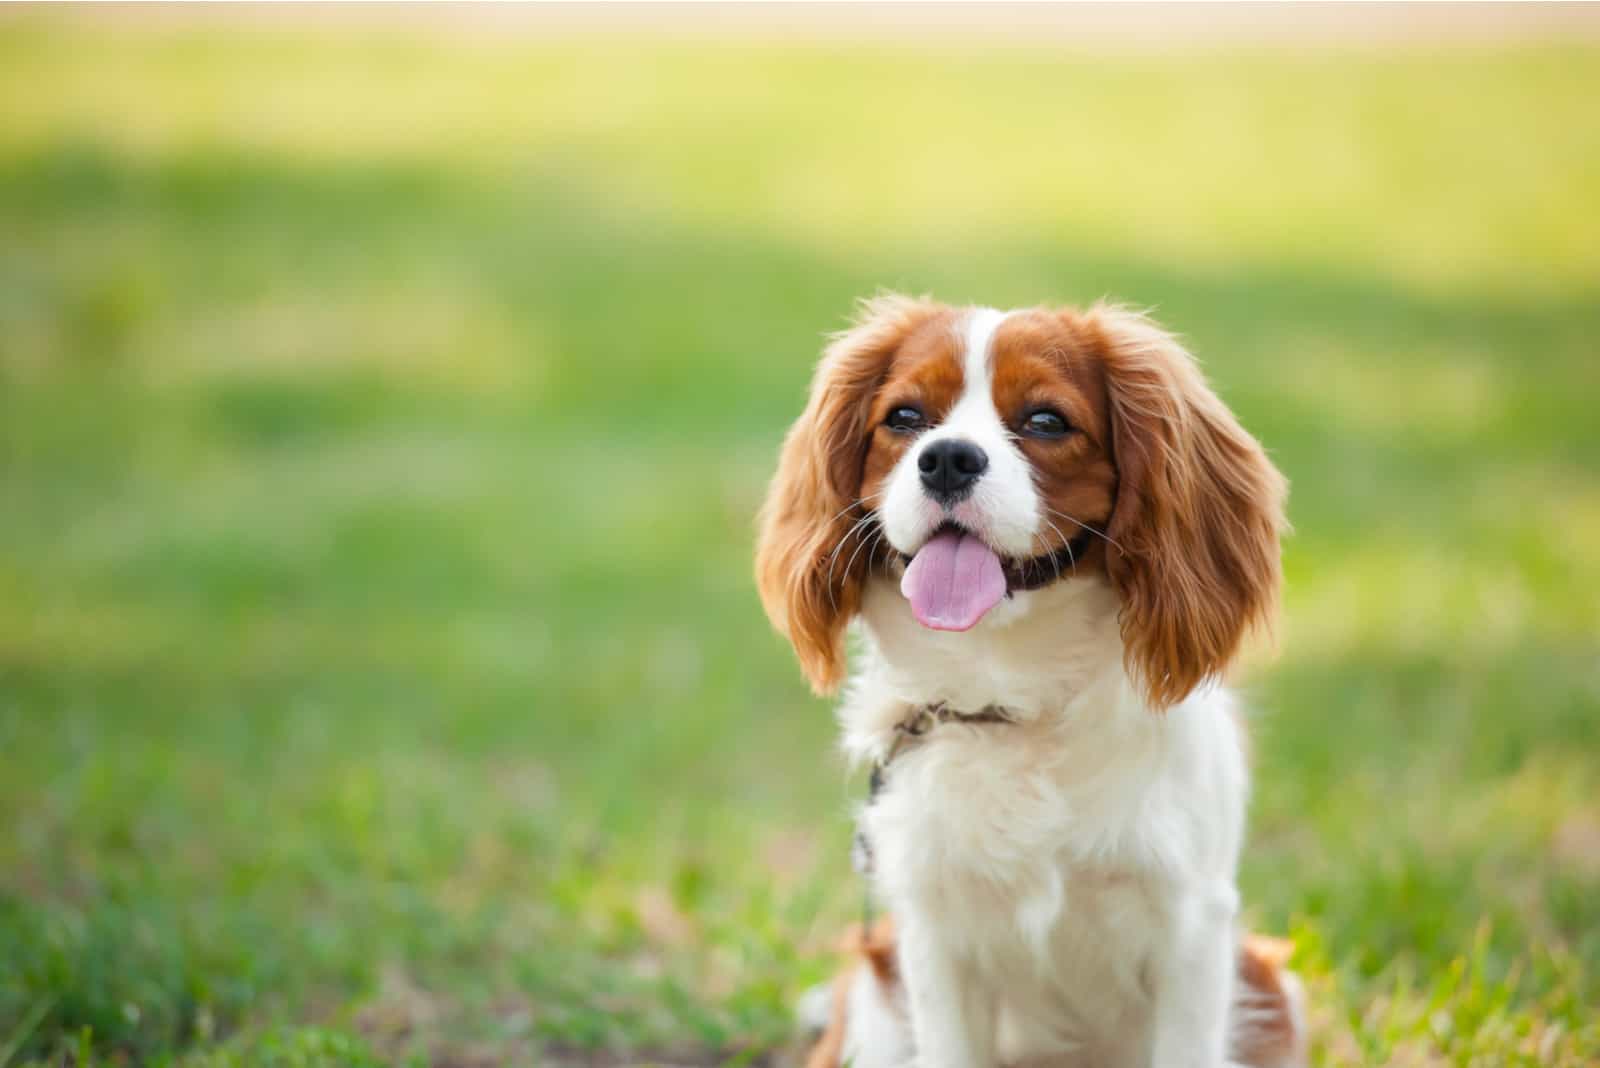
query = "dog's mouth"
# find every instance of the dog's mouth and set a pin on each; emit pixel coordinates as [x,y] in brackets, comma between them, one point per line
[955,578]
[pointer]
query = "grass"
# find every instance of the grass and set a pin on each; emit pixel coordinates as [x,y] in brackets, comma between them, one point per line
[381,422]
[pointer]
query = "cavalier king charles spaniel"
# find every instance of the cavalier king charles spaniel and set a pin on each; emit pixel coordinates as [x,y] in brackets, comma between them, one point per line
[1053,538]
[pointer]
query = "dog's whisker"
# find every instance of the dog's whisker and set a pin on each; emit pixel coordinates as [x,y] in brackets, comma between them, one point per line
[879,539]
[834,556]
[1102,535]
[860,502]
[1054,557]
[857,503]
[852,561]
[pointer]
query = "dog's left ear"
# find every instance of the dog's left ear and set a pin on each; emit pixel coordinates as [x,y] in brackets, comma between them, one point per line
[1198,512]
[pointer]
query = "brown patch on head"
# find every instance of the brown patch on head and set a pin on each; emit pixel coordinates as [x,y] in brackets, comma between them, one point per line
[807,568]
[1042,364]
[925,374]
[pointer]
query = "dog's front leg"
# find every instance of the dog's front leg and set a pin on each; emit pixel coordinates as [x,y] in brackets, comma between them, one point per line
[1194,983]
[952,1016]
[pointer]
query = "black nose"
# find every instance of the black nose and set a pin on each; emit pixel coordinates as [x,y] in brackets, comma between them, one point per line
[950,467]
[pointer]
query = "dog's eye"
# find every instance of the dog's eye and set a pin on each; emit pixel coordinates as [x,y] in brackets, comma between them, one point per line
[904,419]
[1045,423]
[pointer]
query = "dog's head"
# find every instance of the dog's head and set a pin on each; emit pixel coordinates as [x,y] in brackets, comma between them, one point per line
[991,452]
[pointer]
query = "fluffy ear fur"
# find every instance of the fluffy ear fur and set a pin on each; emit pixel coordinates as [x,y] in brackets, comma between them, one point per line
[810,591]
[1198,512]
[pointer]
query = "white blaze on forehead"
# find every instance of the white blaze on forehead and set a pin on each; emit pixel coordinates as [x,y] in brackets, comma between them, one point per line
[1003,505]
[974,416]
[976,368]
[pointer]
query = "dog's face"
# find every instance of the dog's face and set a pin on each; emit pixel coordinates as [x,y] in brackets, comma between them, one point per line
[988,466]
[976,453]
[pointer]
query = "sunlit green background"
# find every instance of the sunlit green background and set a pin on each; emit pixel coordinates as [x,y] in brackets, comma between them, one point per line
[382,416]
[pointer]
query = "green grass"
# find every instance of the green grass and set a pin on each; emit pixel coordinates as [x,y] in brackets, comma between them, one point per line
[381,423]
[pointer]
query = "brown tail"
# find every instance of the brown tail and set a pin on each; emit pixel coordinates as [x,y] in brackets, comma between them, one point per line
[1268,1025]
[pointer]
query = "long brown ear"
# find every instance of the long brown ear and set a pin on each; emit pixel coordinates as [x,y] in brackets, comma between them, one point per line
[1198,512]
[810,592]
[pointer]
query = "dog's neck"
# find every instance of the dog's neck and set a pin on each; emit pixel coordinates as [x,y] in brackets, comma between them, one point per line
[1034,655]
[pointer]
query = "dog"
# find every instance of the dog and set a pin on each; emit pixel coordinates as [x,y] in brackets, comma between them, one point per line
[1053,539]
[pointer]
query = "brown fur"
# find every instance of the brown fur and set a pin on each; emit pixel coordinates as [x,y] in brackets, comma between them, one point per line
[1273,1036]
[810,592]
[1041,362]
[1198,513]
[925,373]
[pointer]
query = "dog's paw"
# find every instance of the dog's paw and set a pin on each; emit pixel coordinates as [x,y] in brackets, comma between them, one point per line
[813,1009]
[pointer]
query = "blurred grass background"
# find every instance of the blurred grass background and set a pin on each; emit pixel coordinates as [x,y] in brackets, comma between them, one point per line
[382,416]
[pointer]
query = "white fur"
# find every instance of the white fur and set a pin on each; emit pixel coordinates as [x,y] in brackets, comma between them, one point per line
[1064,885]
[879,1036]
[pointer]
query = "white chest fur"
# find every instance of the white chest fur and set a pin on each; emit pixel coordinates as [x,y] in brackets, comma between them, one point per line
[1059,856]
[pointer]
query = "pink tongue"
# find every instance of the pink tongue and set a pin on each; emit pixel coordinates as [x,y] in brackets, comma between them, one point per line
[952,581]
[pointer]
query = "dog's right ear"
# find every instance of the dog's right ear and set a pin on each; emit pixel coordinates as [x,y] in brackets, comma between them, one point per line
[809,590]
[1194,533]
